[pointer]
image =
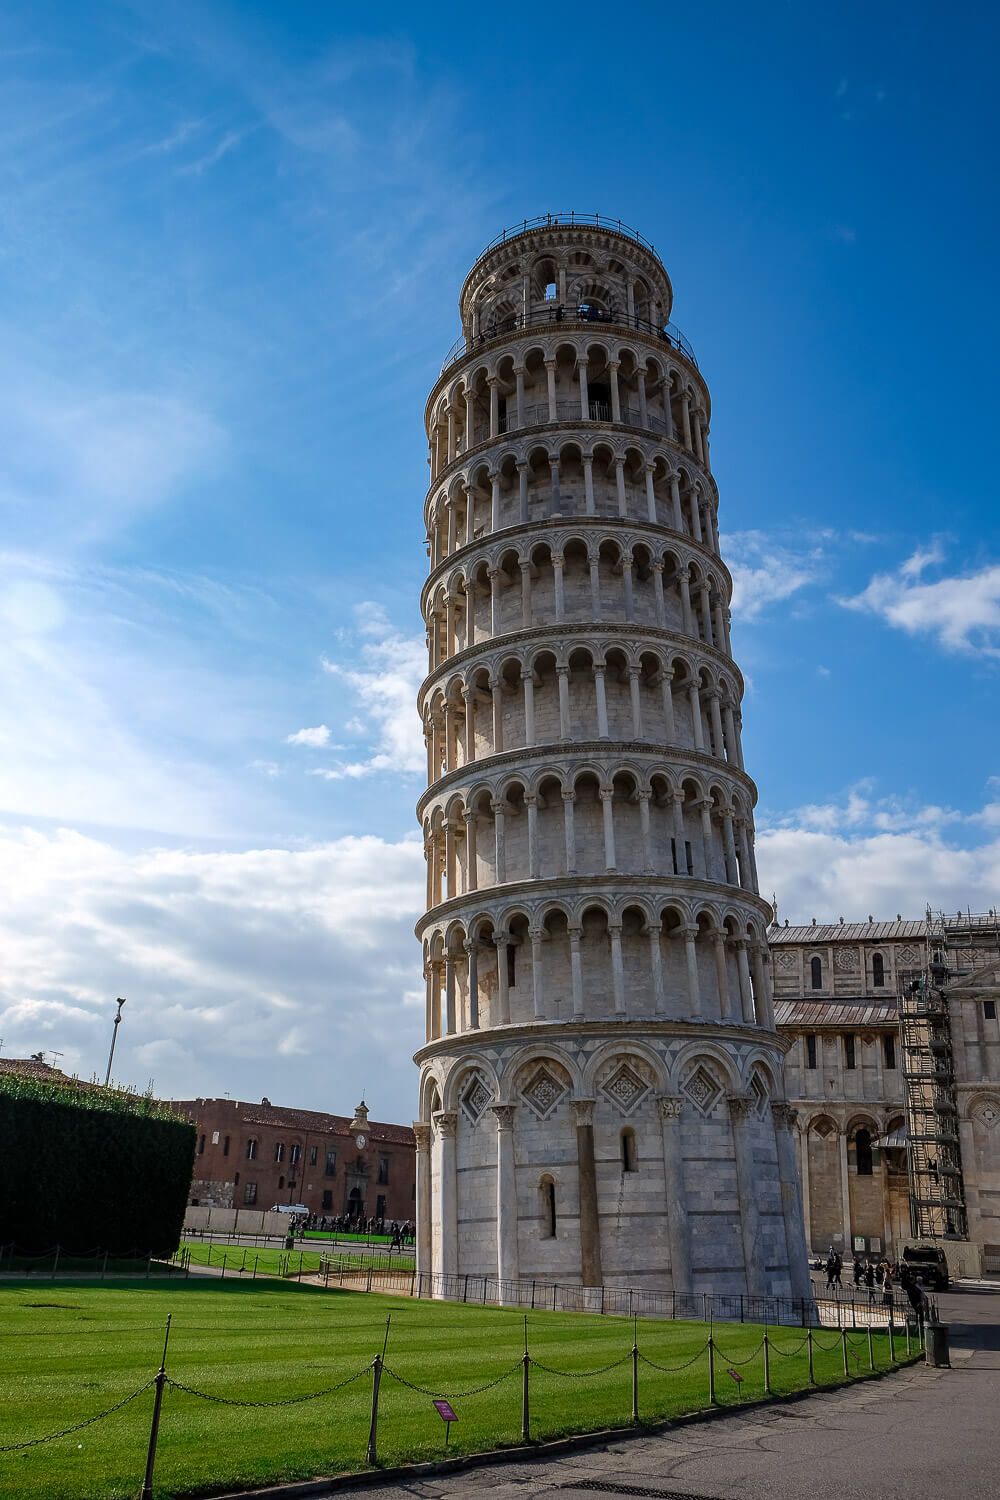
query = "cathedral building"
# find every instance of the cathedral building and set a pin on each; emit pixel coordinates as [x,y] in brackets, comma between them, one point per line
[601,1085]
[893,1068]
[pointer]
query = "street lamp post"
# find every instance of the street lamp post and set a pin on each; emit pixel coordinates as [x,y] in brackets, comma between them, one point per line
[114,1037]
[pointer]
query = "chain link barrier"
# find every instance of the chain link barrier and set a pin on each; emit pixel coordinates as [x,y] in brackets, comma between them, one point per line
[189,1390]
[476,1390]
[788,1353]
[582,1374]
[673,1369]
[750,1357]
[51,1437]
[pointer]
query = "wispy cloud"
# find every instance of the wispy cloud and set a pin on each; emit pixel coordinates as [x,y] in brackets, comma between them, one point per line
[316,738]
[392,666]
[767,570]
[961,612]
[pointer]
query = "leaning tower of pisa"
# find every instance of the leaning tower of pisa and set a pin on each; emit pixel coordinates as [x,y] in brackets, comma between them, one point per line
[601,1090]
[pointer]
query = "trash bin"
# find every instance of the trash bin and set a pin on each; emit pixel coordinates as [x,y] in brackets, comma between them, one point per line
[936,1345]
[289,1242]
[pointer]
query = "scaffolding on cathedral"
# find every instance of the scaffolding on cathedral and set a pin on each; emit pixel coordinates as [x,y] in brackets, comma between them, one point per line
[956,946]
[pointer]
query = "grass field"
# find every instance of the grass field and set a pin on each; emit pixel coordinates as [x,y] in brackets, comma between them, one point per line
[237,1260]
[69,1350]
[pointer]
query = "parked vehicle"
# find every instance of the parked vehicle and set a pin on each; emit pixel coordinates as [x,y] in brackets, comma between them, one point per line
[929,1265]
[295,1209]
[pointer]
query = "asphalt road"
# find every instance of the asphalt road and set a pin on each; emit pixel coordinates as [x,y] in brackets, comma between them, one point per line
[922,1434]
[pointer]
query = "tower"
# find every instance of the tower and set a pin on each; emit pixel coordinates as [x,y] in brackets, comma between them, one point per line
[601,1090]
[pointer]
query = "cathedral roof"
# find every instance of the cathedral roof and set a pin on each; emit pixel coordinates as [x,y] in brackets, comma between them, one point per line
[813,1015]
[846,932]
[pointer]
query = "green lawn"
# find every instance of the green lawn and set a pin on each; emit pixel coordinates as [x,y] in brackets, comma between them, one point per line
[69,1350]
[240,1261]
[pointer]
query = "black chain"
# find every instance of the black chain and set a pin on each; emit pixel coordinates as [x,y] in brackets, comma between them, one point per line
[671,1369]
[734,1362]
[288,1400]
[51,1437]
[583,1374]
[457,1395]
[788,1353]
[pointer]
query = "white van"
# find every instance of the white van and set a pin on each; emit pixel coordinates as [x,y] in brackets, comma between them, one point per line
[290,1208]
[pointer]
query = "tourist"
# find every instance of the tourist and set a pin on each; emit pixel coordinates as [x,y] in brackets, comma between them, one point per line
[858,1271]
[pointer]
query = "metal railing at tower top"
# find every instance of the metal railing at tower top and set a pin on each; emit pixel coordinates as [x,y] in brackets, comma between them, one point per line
[668,333]
[570,220]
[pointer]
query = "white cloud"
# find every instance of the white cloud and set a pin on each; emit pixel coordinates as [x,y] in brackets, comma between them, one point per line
[881,855]
[961,612]
[314,739]
[290,972]
[765,570]
[388,669]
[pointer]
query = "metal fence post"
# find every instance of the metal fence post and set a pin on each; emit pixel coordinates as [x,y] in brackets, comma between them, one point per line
[154,1429]
[104,1267]
[847,1368]
[767,1364]
[373,1426]
[892,1344]
[871,1349]
[907,1325]
[711,1370]
[55,1264]
[635,1378]
[809,1340]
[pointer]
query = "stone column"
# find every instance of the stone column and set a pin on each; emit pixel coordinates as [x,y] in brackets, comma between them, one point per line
[569,831]
[584,393]
[607,796]
[470,420]
[449,506]
[686,423]
[668,415]
[496,690]
[445,1122]
[806,1199]
[525,594]
[729,845]
[656,967]
[491,381]
[635,701]
[684,581]
[661,606]
[627,589]
[694,986]
[519,385]
[717,734]
[645,832]
[531,803]
[507,1256]
[494,501]
[650,495]
[705,809]
[493,574]
[576,969]
[746,991]
[666,683]
[522,492]
[503,992]
[620,488]
[602,702]
[537,996]
[498,809]
[616,403]
[550,376]
[472,950]
[437,966]
[423,1138]
[451,1024]
[669,1108]
[742,1117]
[557,571]
[722,975]
[588,486]
[562,673]
[591,1273]
[845,1187]
[469,699]
[470,521]
[643,410]
[675,504]
[595,587]
[528,686]
[617,968]
[555,506]
[791,1202]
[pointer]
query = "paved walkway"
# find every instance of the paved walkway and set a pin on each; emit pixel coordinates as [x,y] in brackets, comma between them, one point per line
[920,1435]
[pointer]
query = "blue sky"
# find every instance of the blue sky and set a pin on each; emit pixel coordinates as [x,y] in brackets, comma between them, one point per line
[231,242]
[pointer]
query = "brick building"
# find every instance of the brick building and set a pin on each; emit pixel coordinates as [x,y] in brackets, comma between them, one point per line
[259,1155]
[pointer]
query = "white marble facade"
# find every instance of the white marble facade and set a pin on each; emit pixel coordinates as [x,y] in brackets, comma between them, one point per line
[602,1097]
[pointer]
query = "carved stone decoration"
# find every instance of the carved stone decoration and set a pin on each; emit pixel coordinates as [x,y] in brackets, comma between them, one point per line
[475,1099]
[987,1113]
[846,960]
[669,1106]
[759,1097]
[624,1088]
[422,1134]
[785,1116]
[543,1093]
[907,957]
[505,1115]
[583,1111]
[784,960]
[703,1089]
[741,1106]
[445,1123]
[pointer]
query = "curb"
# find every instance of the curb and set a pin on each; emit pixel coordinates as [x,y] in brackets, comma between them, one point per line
[368,1478]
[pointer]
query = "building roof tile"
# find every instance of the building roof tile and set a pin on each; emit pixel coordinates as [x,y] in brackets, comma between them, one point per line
[846,932]
[817,1014]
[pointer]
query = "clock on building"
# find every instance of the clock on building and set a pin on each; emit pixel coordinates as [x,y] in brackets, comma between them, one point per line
[361,1142]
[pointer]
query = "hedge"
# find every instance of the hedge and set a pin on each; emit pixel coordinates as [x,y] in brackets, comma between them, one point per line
[88,1168]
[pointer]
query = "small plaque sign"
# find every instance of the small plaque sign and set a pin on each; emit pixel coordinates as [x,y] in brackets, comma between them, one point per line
[445,1411]
[735,1375]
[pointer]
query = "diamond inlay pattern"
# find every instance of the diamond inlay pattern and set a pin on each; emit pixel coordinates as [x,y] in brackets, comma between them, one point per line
[625,1088]
[543,1093]
[987,1113]
[702,1089]
[475,1098]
